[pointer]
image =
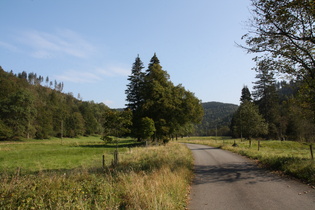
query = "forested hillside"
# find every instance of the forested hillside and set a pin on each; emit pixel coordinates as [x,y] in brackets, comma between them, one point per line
[217,119]
[32,108]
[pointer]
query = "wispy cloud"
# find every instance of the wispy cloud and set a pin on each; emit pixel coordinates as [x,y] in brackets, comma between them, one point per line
[79,77]
[92,76]
[114,70]
[8,46]
[60,42]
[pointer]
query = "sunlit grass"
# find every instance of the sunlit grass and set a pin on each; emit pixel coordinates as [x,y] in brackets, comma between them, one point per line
[36,155]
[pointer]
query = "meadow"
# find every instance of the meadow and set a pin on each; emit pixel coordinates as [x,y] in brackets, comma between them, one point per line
[68,174]
[284,157]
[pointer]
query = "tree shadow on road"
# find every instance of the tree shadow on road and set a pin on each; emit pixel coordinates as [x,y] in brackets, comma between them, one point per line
[246,173]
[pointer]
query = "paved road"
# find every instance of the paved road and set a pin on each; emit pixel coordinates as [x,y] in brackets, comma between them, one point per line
[228,181]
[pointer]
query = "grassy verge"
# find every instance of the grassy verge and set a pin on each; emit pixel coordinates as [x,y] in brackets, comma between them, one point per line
[291,158]
[146,178]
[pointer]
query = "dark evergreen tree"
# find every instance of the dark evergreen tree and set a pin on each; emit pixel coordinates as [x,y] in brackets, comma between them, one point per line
[246,95]
[266,97]
[154,60]
[133,92]
[135,96]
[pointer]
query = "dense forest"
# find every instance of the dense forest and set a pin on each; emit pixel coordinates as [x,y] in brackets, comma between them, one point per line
[274,110]
[216,120]
[33,108]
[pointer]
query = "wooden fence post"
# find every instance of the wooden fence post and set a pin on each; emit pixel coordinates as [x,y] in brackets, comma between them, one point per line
[258,145]
[311,148]
[115,161]
[103,161]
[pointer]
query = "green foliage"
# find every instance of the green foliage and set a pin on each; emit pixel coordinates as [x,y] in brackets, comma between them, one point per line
[152,95]
[28,110]
[283,30]
[134,89]
[246,95]
[107,139]
[282,33]
[281,105]
[267,98]
[247,121]
[117,123]
[217,119]
[147,127]
[91,115]
[5,131]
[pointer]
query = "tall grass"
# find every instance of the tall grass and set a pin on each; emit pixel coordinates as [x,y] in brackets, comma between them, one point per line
[145,178]
[288,157]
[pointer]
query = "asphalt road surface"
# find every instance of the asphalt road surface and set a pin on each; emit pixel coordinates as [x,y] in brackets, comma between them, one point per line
[224,180]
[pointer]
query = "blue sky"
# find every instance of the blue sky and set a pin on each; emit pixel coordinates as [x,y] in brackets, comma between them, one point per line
[91,45]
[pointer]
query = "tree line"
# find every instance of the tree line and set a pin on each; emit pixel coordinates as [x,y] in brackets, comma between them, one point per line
[156,109]
[282,104]
[30,110]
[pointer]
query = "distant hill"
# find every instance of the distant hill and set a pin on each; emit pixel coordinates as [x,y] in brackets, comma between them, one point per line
[217,118]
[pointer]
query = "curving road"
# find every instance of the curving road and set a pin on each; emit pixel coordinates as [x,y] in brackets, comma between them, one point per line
[224,180]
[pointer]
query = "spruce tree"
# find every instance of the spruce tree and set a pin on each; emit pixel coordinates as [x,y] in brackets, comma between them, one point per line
[266,97]
[246,95]
[135,83]
[154,60]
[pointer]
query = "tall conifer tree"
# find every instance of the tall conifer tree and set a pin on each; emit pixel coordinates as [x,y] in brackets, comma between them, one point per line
[246,95]
[134,87]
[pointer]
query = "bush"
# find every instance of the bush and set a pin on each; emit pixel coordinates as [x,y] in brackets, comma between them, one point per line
[107,139]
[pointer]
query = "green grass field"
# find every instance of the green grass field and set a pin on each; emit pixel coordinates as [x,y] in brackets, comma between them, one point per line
[288,157]
[56,154]
[50,174]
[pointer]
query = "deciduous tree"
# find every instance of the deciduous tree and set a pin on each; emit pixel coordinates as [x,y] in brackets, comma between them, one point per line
[247,122]
[283,32]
